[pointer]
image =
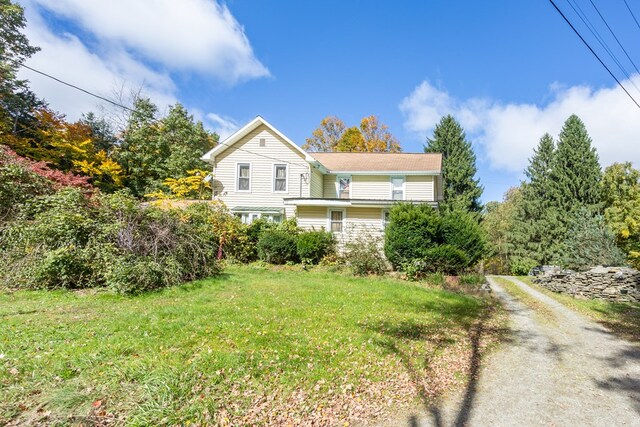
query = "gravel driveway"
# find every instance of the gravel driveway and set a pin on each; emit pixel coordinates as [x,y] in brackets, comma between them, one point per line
[560,369]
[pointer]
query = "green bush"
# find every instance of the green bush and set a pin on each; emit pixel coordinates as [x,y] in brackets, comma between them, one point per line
[277,247]
[363,255]
[136,275]
[421,239]
[472,279]
[447,259]
[313,246]
[521,266]
[462,230]
[411,231]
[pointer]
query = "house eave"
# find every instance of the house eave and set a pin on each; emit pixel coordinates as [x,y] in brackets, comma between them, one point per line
[362,203]
[400,172]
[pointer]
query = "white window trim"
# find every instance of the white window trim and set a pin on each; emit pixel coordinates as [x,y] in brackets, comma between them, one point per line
[382,222]
[404,186]
[273,177]
[238,177]
[338,185]
[344,219]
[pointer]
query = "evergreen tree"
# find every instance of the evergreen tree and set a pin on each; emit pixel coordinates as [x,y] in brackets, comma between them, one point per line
[461,189]
[534,235]
[590,242]
[575,182]
[575,173]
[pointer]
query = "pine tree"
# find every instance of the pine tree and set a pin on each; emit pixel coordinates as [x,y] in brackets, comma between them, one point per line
[575,173]
[574,182]
[461,189]
[534,236]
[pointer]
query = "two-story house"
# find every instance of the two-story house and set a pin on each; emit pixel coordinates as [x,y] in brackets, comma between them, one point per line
[259,172]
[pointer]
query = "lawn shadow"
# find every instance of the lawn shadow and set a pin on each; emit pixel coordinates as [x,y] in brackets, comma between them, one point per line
[198,284]
[431,404]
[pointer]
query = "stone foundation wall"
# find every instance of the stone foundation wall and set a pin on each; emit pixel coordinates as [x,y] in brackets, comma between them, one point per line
[614,284]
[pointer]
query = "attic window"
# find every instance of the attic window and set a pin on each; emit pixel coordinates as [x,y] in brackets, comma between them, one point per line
[262,142]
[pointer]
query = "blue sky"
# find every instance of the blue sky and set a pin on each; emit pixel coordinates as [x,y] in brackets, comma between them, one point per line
[508,70]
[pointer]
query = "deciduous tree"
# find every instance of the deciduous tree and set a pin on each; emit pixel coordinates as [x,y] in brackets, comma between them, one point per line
[326,136]
[621,196]
[371,136]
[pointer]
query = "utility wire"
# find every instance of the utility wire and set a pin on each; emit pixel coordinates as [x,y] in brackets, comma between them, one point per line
[76,87]
[631,12]
[593,52]
[614,36]
[587,22]
[135,111]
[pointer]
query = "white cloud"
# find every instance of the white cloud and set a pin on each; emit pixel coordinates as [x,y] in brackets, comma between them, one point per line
[184,35]
[64,56]
[110,69]
[508,132]
[223,126]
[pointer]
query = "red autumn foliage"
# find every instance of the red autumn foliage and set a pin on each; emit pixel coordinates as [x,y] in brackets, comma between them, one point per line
[59,179]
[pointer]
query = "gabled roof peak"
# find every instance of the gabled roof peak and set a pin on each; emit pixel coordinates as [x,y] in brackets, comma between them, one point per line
[245,130]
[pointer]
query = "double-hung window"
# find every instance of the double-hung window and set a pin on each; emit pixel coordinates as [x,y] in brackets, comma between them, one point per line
[280,178]
[344,187]
[397,188]
[336,221]
[243,177]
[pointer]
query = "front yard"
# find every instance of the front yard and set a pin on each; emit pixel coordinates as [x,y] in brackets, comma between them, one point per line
[254,345]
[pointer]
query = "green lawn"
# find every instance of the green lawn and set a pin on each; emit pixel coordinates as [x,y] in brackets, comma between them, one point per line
[621,318]
[254,345]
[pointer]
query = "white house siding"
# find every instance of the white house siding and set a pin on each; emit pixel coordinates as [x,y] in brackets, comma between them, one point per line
[358,222]
[317,183]
[329,187]
[370,187]
[312,217]
[248,150]
[419,187]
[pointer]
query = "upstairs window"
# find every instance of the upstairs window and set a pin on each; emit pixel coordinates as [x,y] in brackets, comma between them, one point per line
[244,177]
[336,221]
[344,187]
[397,188]
[280,178]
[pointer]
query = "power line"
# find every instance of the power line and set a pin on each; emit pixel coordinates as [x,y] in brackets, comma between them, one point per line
[76,87]
[587,22]
[593,52]
[614,36]
[631,12]
[135,111]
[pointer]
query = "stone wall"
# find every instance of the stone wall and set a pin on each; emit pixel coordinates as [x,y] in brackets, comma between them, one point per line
[616,284]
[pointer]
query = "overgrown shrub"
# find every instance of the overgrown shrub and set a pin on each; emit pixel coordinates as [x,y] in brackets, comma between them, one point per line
[364,256]
[313,246]
[277,246]
[74,241]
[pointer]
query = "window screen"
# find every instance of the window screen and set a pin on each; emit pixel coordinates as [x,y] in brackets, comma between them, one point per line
[280,178]
[336,221]
[244,177]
